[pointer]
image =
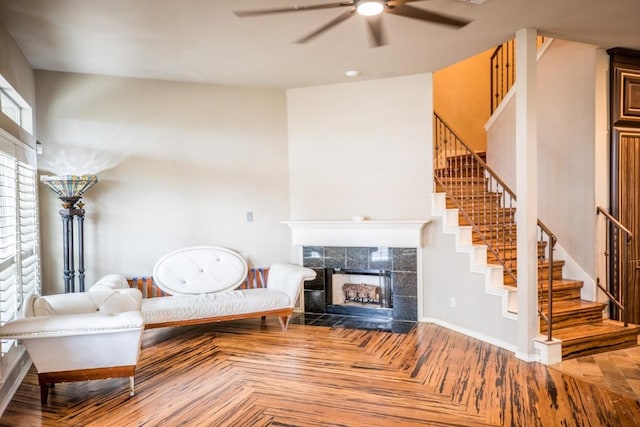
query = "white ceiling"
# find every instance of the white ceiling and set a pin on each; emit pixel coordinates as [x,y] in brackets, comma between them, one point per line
[203,41]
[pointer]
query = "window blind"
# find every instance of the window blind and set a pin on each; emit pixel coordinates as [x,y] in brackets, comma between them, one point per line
[19,239]
[8,216]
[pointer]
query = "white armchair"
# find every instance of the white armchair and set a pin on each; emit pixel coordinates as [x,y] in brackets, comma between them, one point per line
[81,336]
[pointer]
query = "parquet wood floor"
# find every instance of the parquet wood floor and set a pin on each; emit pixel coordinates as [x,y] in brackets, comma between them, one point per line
[244,373]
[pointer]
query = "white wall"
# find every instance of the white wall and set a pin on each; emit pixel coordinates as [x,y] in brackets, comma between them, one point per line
[361,148]
[178,164]
[566,175]
[501,137]
[567,117]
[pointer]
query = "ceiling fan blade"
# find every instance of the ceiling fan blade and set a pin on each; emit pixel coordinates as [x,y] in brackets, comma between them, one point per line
[295,8]
[342,17]
[377,31]
[424,15]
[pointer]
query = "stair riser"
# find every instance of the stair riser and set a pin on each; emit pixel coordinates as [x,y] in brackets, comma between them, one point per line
[464,161]
[601,344]
[544,275]
[467,157]
[558,295]
[508,255]
[458,187]
[464,180]
[460,171]
[493,239]
[495,221]
[566,320]
[477,206]
[503,234]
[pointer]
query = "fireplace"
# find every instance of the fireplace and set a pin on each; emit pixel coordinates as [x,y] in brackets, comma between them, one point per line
[358,292]
[388,250]
[392,270]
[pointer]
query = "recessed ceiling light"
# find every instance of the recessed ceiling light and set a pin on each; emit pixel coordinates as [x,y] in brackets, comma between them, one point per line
[352,73]
[370,7]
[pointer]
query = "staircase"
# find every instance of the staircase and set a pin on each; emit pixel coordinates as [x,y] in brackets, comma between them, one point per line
[482,203]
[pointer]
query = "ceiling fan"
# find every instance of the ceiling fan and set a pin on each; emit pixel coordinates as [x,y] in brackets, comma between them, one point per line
[372,10]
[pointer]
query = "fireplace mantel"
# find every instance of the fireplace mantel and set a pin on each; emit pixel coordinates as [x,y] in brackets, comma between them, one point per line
[366,233]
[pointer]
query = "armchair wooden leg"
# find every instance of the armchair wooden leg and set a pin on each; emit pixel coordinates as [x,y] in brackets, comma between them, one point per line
[132,389]
[44,393]
[284,322]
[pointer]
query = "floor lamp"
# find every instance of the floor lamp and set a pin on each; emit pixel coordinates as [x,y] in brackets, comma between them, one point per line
[70,189]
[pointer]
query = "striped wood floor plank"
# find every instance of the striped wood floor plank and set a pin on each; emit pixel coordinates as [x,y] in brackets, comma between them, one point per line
[245,373]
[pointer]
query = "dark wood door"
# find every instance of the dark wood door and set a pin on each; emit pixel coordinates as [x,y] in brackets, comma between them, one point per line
[629,214]
[625,179]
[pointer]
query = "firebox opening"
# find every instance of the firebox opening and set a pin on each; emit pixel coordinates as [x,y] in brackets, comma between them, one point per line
[359,292]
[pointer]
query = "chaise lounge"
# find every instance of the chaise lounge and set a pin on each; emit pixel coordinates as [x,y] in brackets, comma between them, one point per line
[202,283]
[72,337]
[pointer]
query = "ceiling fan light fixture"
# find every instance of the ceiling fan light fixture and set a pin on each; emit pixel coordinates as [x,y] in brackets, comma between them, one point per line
[370,7]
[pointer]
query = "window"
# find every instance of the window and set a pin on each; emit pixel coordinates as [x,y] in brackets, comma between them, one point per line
[15,107]
[19,240]
[10,107]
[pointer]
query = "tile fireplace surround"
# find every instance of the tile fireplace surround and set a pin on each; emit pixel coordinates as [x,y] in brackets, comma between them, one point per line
[393,246]
[401,262]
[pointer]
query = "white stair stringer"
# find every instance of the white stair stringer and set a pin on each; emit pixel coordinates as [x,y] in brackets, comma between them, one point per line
[494,274]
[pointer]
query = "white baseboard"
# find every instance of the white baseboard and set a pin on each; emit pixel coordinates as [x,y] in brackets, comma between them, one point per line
[12,381]
[472,334]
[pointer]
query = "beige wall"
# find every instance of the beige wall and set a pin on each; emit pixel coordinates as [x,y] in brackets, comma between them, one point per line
[461,96]
[178,164]
[361,148]
[566,134]
[17,71]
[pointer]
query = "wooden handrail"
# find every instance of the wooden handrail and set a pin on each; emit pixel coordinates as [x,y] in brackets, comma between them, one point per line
[617,223]
[625,253]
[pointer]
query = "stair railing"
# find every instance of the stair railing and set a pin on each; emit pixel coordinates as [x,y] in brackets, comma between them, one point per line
[484,200]
[546,244]
[621,300]
[472,186]
[503,70]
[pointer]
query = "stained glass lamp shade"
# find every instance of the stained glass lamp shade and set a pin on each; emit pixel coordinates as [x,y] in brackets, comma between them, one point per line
[69,188]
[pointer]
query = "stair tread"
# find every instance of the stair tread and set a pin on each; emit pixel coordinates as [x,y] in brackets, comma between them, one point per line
[594,330]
